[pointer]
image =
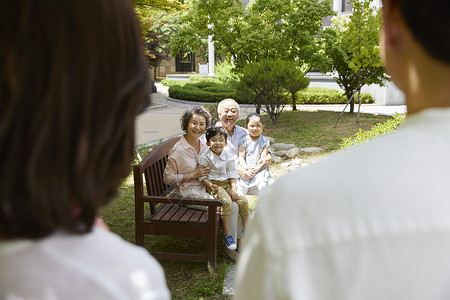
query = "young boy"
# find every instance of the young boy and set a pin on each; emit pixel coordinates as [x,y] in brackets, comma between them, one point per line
[221,181]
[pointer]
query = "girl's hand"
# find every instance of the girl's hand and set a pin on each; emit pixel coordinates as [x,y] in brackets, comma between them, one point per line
[264,161]
[242,172]
[252,172]
[245,173]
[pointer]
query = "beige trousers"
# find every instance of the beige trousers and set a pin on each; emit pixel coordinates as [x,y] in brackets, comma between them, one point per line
[223,194]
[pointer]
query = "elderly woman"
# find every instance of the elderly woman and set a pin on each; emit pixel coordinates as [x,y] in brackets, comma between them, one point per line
[182,169]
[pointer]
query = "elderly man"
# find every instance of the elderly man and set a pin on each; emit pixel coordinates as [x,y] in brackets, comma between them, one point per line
[318,235]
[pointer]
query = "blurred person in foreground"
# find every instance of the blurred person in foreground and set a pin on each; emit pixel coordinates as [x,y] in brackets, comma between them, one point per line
[372,222]
[72,79]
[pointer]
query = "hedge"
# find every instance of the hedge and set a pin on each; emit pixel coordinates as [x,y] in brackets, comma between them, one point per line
[198,95]
[328,96]
[211,91]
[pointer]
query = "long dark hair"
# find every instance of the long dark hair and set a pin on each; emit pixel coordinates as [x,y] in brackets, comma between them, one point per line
[72,79]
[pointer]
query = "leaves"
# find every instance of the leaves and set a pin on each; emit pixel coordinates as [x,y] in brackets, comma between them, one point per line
[273,81]
[149,15]
[351,45]
[379,129]
[266,29]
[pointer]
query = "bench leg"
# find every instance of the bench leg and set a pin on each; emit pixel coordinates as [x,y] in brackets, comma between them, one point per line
[212,239]
[139,238]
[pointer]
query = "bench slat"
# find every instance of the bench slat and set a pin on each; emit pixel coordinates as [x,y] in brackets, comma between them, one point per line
[195,219]
[204,218]
[161,211]
[170,213]
[185,218]
[176,217]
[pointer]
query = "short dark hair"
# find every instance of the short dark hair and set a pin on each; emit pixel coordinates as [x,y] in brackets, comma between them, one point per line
[195,110]
[73,77]
[429,22]
[251,116]
[216,130]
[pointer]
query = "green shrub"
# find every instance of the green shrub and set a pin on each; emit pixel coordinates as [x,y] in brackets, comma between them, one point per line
[212,108]
[173,82]
[203,85]
[320,90]
[225,74]
[379,129]
[198,78]
[198,95]
[219,89]
[271,80]
[327,96]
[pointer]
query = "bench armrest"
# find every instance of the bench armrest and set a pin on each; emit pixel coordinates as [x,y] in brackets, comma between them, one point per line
[183,201]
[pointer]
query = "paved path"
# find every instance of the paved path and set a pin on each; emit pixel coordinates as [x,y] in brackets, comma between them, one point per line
[162,119]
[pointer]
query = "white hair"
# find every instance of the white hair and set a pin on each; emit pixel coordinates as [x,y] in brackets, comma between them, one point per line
[221,103]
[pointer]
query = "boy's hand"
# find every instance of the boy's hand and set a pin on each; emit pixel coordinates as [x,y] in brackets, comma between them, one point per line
[234,195]
[214,188]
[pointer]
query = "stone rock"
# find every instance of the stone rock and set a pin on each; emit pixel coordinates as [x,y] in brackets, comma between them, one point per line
[285,165]
[293,152]
[271,139]
[280,153]
[311,150]
[281,146]
[276,159]
[293,167]
[297,161]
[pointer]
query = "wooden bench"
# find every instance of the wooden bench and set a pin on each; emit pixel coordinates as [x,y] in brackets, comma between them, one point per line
[167,214]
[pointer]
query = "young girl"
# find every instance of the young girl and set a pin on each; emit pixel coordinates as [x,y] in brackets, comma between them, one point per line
[252,150]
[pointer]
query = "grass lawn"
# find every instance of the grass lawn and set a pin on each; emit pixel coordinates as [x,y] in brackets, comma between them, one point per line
[192,280]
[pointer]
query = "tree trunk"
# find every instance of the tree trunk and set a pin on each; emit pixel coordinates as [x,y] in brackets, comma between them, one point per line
[294,101]
[258,103]
[359,106]
[359,95]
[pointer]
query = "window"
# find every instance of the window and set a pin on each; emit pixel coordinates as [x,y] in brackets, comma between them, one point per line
[346,6]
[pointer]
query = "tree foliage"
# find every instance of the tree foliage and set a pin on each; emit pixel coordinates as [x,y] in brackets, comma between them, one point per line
[295,82]
[266,29]
[270,81]
[352,47]
[149,13]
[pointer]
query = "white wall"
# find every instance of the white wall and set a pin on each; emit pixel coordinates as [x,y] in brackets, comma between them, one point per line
[386,95]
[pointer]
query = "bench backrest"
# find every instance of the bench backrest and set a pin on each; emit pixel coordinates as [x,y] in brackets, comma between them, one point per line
[152,167]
